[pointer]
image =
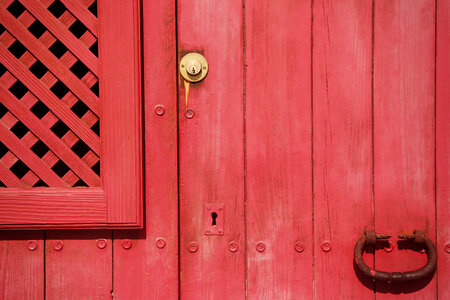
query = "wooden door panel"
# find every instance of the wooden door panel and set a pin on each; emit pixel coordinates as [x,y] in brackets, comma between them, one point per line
[149,269]
[342,131]
[22,265]
[404,143]
[443,146]
[59,80]
[211,151]
[278,149]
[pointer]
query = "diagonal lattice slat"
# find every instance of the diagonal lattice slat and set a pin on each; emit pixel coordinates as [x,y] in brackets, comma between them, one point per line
[49,104]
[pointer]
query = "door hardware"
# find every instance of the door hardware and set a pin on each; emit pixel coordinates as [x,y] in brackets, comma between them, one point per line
[370,237]
[193,68]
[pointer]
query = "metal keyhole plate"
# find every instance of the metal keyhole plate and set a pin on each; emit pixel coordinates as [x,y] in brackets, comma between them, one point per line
[193,67]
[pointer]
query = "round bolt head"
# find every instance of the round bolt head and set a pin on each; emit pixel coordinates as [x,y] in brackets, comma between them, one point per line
[389,247]
[447,248]
[260,247]
[233,246]
[58,245]
[326,246]
[126,244]
[193,247]
[101,243]
[32,245]
[189,113]
[299,247]
[160,243]
[160,110]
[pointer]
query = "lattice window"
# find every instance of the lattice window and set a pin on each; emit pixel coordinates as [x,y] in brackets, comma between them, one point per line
[54,121]
[56,87]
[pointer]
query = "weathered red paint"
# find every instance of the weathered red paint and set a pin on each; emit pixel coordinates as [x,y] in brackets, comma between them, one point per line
[318,120]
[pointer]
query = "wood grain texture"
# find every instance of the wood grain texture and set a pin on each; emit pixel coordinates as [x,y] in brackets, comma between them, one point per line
[278,149]
[211,153]
[404,158]
[443,145]
[83,14]
[153,270]
[80,270]
[41,52]
[41,91]
[62,33]
[21,270]
[51,140]
[342,123]
[121,119]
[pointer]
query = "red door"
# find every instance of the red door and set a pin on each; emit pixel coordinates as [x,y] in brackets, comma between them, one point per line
[317,122]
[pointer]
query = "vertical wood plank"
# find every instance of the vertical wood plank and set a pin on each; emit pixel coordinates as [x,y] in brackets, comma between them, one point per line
[443,145]
[342,124]
[80,269]
[145,271]
[278,149]
[21,270]
[404,158]
[211,151]
[121,114]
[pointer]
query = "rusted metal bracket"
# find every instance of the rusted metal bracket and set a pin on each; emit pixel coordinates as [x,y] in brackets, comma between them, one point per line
[370,237]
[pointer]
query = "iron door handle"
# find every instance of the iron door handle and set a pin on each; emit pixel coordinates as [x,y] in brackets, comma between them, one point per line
[370,237]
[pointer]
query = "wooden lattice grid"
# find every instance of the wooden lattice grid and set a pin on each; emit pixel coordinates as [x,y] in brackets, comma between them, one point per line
[55,124]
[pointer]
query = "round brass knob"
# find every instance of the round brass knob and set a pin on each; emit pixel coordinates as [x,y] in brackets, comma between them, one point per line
[193,67]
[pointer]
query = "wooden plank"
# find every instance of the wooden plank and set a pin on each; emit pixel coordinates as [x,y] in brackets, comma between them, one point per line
[404,145]
[49,60]
[342,123]
[211,152]
[9,178]
[121,119]
[49,138]
[443,146]
[278,149]
[46,206]
[29,158]
[81,269]
[83,14]
[152,261]
[44,94]
[62,33]
[22,269]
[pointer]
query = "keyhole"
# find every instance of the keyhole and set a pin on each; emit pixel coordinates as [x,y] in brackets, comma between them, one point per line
[214,217]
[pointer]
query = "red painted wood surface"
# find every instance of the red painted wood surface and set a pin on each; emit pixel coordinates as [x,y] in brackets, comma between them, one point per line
[443,146]
[404,146]
[211,151]
[342,131]
[278,149]
[78,264]
[21,269]
[149,269]
[293,147]
[120,201]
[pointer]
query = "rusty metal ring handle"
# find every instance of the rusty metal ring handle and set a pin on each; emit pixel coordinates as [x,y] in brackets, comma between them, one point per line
[370,237]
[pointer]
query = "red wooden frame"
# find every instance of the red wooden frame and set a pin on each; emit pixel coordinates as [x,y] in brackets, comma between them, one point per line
[119,201]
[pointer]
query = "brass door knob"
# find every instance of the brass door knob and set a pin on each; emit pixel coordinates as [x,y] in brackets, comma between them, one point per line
[193,67]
